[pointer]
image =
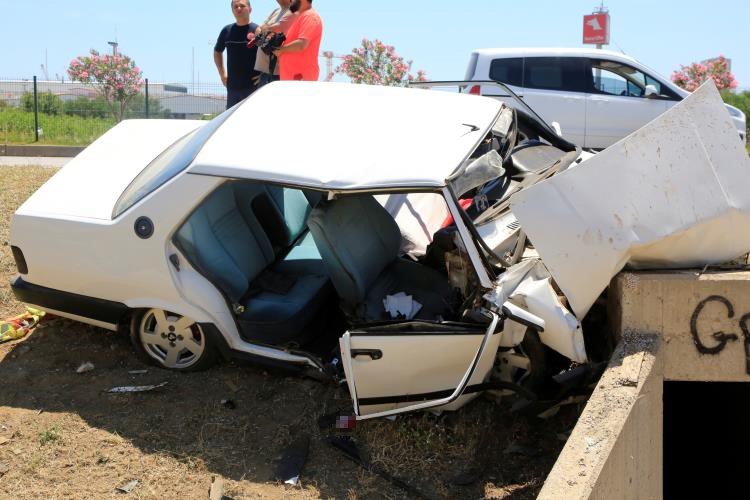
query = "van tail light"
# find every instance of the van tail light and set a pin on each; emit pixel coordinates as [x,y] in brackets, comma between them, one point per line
[475,90]
[20,260]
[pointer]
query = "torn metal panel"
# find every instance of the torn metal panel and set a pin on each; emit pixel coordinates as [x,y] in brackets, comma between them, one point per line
[528,285]
[671,195]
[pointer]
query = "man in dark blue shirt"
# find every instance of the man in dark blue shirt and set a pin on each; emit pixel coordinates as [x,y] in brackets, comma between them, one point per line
[240,77]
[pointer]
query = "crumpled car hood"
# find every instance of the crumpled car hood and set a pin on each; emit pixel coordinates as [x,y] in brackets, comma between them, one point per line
[671,195]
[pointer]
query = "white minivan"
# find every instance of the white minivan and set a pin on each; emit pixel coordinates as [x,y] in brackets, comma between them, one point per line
[597,96]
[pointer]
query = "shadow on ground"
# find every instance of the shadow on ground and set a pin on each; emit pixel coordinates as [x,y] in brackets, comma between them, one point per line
[67,436]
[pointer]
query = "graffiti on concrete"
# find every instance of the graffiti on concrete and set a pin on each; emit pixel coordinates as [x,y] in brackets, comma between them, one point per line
[720,339]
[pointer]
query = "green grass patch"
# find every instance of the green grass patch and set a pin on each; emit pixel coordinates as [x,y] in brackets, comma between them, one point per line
[49,436]
[17,127]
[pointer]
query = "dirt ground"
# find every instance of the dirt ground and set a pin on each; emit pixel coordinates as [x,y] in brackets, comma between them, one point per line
[63,436]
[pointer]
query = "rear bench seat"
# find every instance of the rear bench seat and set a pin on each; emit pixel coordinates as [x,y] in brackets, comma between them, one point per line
[252,241]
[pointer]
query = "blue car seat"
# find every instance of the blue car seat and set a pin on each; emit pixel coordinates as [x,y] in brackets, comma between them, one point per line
[360,242]
[251,240]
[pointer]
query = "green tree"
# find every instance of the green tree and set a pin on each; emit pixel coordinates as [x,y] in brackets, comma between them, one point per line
[49,103]
[87,108]
[137,108]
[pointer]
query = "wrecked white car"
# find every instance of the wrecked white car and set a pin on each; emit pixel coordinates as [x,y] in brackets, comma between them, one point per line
[342,248]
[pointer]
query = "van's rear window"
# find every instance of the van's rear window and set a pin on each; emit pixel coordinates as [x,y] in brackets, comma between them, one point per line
[168,164]
[508,71]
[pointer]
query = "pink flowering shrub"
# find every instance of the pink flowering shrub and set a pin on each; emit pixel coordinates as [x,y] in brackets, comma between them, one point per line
[116,78]
[691,77]
[375,63]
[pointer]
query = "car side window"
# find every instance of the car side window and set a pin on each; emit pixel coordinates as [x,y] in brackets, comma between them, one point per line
[614,78]
[508,71]
[554,73]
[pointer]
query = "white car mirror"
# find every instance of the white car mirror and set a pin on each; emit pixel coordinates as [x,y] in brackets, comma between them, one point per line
[557,128]
[651,91]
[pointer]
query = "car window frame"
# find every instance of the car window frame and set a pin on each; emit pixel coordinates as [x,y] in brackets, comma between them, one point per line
[670,94]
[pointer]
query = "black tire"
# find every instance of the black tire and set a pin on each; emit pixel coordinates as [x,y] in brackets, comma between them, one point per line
[149,352]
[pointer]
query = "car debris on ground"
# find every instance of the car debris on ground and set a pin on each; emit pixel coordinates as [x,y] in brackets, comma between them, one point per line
[19,326]
[85,367]
[293,461]
[136,388]
[127,487]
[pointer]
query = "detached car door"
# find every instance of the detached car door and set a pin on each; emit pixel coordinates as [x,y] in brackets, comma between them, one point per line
[398,367]
[618,104]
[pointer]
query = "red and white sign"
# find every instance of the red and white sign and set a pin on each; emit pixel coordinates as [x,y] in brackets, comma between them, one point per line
[596,29]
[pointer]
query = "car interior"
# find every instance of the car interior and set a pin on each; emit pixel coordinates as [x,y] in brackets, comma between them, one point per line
[298,269]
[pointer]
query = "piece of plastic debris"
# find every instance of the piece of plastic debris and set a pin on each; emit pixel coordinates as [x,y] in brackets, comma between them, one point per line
[401,304]
[293,461]
[138,372]
[229,404]
[19,326]
[85,367]
[346,422]
[136,388]
[4,468]
[127,487]
[216,491]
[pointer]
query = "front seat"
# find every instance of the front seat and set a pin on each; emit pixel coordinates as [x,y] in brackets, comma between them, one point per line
[359,243]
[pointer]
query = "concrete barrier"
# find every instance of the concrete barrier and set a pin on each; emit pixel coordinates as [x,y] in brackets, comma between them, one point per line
[671,326]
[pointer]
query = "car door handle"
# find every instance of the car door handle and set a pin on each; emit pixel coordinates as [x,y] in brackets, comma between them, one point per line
[374,354]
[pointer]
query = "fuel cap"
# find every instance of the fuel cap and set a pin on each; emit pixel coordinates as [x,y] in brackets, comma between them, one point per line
[144,228]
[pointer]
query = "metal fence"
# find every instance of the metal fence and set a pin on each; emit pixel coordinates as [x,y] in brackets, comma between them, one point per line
[71,113]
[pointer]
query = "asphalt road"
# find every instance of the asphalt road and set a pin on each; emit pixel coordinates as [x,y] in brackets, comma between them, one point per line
[6,161]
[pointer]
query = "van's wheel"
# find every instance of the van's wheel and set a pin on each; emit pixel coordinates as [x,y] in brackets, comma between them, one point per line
[171,341]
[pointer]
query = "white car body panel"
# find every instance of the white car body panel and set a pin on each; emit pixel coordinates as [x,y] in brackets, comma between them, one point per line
[105,259]
[408,137]
[90,184]
[568,109]
[609,118]
[671,195]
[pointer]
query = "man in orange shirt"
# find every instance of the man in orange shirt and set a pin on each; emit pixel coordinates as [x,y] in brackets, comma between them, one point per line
[298,57]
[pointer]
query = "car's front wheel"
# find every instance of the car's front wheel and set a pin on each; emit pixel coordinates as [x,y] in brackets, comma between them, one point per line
[171,341]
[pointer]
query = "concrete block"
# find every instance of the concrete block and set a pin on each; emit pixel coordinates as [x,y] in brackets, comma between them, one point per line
[678,326]
[611,452]
[703,319]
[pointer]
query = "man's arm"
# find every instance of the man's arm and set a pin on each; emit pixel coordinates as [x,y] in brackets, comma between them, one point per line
[298,45]
[219,61]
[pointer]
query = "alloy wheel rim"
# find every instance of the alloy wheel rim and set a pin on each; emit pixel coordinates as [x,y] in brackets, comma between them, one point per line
[174,341]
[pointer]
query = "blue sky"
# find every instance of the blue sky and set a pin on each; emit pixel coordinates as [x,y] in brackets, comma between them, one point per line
[438,35]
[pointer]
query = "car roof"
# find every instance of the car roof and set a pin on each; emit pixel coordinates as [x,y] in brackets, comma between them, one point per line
[337,136]
[554,52]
